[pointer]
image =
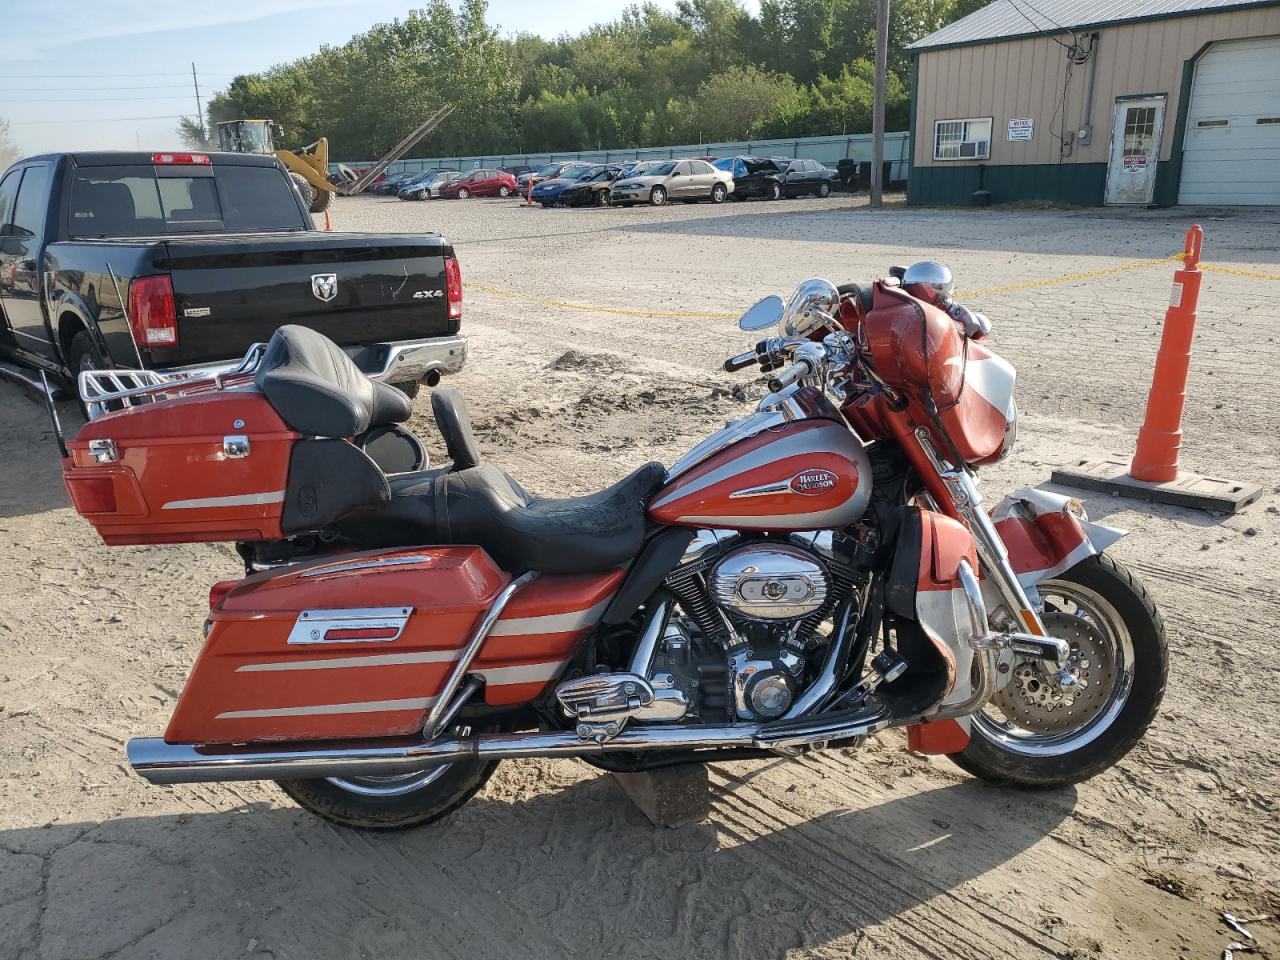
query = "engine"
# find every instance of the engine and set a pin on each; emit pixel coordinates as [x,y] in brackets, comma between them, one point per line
[754,612]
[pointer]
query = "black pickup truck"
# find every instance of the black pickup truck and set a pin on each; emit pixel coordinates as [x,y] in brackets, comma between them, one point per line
[169,261]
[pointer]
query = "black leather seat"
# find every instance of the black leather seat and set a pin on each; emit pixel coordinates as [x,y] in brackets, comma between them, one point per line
[473,502]
[319,391]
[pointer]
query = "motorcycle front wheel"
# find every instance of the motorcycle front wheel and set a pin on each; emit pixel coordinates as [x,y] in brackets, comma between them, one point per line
[1039,732]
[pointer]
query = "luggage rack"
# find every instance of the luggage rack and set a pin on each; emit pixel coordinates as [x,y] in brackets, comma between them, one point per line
[99,389]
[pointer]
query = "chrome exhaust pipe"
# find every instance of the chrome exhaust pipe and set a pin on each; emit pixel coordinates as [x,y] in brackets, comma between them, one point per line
[162,763]
[165,763]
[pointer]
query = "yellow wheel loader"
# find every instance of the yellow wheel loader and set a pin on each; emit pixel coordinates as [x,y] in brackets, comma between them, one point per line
[309,167]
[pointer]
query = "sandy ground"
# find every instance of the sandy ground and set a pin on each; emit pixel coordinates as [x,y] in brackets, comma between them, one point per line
[876,853]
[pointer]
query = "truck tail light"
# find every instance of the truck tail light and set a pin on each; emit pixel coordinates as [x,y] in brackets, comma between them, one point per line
[199,159]
[453,287]
[153,320]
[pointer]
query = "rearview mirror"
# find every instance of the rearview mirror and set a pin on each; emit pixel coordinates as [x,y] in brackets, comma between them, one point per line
[764,314]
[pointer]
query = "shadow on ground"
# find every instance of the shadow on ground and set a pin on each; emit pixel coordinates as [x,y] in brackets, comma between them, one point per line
[572,872]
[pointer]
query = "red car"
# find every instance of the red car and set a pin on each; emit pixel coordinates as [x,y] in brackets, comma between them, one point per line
[484,182]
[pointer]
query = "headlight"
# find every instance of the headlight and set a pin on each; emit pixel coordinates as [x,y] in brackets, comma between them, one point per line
[1010,431]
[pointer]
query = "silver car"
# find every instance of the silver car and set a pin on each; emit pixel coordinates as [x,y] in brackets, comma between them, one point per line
[687,180]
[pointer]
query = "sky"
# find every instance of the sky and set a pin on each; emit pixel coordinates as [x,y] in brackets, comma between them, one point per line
[115,74]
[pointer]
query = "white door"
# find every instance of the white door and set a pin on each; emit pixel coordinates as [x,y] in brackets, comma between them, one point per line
[1135,150]
[1231,154]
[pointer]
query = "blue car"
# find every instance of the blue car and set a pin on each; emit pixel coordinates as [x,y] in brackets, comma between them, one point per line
[547,192]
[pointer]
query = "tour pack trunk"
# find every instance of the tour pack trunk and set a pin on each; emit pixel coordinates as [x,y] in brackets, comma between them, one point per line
[341,285]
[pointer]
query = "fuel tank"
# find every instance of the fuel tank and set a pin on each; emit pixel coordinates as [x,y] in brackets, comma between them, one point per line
[800,475]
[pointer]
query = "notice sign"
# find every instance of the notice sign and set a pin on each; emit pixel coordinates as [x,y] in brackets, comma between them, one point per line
[1135,164]
[1021,128]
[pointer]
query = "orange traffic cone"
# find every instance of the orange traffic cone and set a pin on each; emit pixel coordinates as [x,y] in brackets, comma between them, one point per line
[327,225]
[1153,473]
[1160,439]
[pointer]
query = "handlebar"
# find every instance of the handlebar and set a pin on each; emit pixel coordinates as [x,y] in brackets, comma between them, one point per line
[797,371]
[741,361]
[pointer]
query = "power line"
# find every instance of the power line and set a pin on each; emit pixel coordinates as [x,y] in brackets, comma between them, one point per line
[175,116]
[92,76]
[146,86]
[107,99]
[1038,27]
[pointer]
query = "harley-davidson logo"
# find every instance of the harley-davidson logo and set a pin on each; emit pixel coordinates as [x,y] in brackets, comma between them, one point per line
[812,483]
[324,286]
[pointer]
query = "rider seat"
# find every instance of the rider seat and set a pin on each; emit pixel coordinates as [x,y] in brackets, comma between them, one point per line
[475,502]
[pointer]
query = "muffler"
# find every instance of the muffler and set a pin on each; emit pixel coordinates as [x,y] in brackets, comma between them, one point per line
[162,763]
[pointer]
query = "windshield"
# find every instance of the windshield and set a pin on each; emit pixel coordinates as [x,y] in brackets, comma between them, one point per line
[132,201]
[550,170]
[587,173]
[661,170]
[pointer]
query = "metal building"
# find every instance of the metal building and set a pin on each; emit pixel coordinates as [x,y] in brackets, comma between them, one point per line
[1099,101]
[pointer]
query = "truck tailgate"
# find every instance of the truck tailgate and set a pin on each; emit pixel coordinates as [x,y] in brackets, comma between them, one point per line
[231,291]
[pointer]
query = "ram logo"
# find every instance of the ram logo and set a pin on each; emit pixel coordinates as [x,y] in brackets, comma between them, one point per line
[324,286]
[427,294]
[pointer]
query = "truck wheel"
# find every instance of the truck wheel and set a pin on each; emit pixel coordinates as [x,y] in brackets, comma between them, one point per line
[1034,734]
[305,190]
[391,803]
[84,355]
[408,387]
[320,200]
[657,197]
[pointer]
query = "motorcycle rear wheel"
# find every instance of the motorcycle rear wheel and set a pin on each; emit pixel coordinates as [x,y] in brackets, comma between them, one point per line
[1033,735]
[391,803]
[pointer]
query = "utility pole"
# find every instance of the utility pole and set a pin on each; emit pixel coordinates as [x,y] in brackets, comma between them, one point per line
[199,106]
[877,108]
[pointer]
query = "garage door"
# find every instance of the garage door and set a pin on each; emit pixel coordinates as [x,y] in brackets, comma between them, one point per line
[1231,154]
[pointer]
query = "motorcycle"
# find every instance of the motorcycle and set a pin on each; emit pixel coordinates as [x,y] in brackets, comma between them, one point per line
[816,572]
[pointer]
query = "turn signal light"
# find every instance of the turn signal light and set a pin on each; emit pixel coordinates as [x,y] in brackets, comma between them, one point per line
[153,320]
[92,494]
[200,159]
[453,287]
[219,591]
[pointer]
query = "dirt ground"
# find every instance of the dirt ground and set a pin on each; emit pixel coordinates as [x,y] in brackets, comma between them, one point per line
[875,853]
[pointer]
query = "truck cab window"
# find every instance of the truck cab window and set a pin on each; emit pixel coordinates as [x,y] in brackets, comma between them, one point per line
[8,193]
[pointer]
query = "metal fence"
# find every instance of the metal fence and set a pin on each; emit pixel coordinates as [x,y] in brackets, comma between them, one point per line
[827,150]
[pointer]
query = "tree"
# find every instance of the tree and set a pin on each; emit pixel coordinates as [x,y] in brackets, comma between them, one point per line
[740,104]
[192,134]
[9,152]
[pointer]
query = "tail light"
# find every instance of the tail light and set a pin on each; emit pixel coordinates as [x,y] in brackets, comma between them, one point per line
[153,320]
[198,159]
[219,591]
[453,287]
[92,494]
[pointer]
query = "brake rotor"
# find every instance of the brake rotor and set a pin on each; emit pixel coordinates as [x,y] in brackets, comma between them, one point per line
[1036,701]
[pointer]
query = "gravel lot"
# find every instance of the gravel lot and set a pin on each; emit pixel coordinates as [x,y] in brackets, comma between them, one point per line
[876,853]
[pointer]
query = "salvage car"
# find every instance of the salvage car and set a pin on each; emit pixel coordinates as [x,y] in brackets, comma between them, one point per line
[168,261]
[482,182]
[754,176]
[808,177]
[688,180]
[428,186]
[578,187]
[550,171]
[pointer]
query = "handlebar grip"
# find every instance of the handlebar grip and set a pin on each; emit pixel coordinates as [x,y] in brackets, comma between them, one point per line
[740,361]
[797,371]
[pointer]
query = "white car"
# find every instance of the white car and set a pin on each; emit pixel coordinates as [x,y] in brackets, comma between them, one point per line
[430,189]
[687,180]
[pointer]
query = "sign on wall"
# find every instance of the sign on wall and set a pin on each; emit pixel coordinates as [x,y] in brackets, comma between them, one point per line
[1021,128]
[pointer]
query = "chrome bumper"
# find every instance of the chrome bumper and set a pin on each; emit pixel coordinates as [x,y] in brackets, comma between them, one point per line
[402,361]
[410,360]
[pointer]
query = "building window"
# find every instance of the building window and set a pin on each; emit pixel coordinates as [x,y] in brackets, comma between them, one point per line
[962,139]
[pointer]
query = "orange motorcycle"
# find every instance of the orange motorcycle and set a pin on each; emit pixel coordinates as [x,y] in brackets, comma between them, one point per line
[818,571]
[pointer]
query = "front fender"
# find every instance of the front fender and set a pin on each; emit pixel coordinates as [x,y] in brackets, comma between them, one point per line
[1046,534]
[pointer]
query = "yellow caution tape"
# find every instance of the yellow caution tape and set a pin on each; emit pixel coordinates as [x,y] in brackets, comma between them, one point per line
[965,294]
[589,308]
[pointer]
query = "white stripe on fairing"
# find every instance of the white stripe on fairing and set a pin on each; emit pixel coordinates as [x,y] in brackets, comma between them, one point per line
[337,663]
[242,500]
[525,673]
[993,379]
[330,709]
[790,445]
[551,623]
